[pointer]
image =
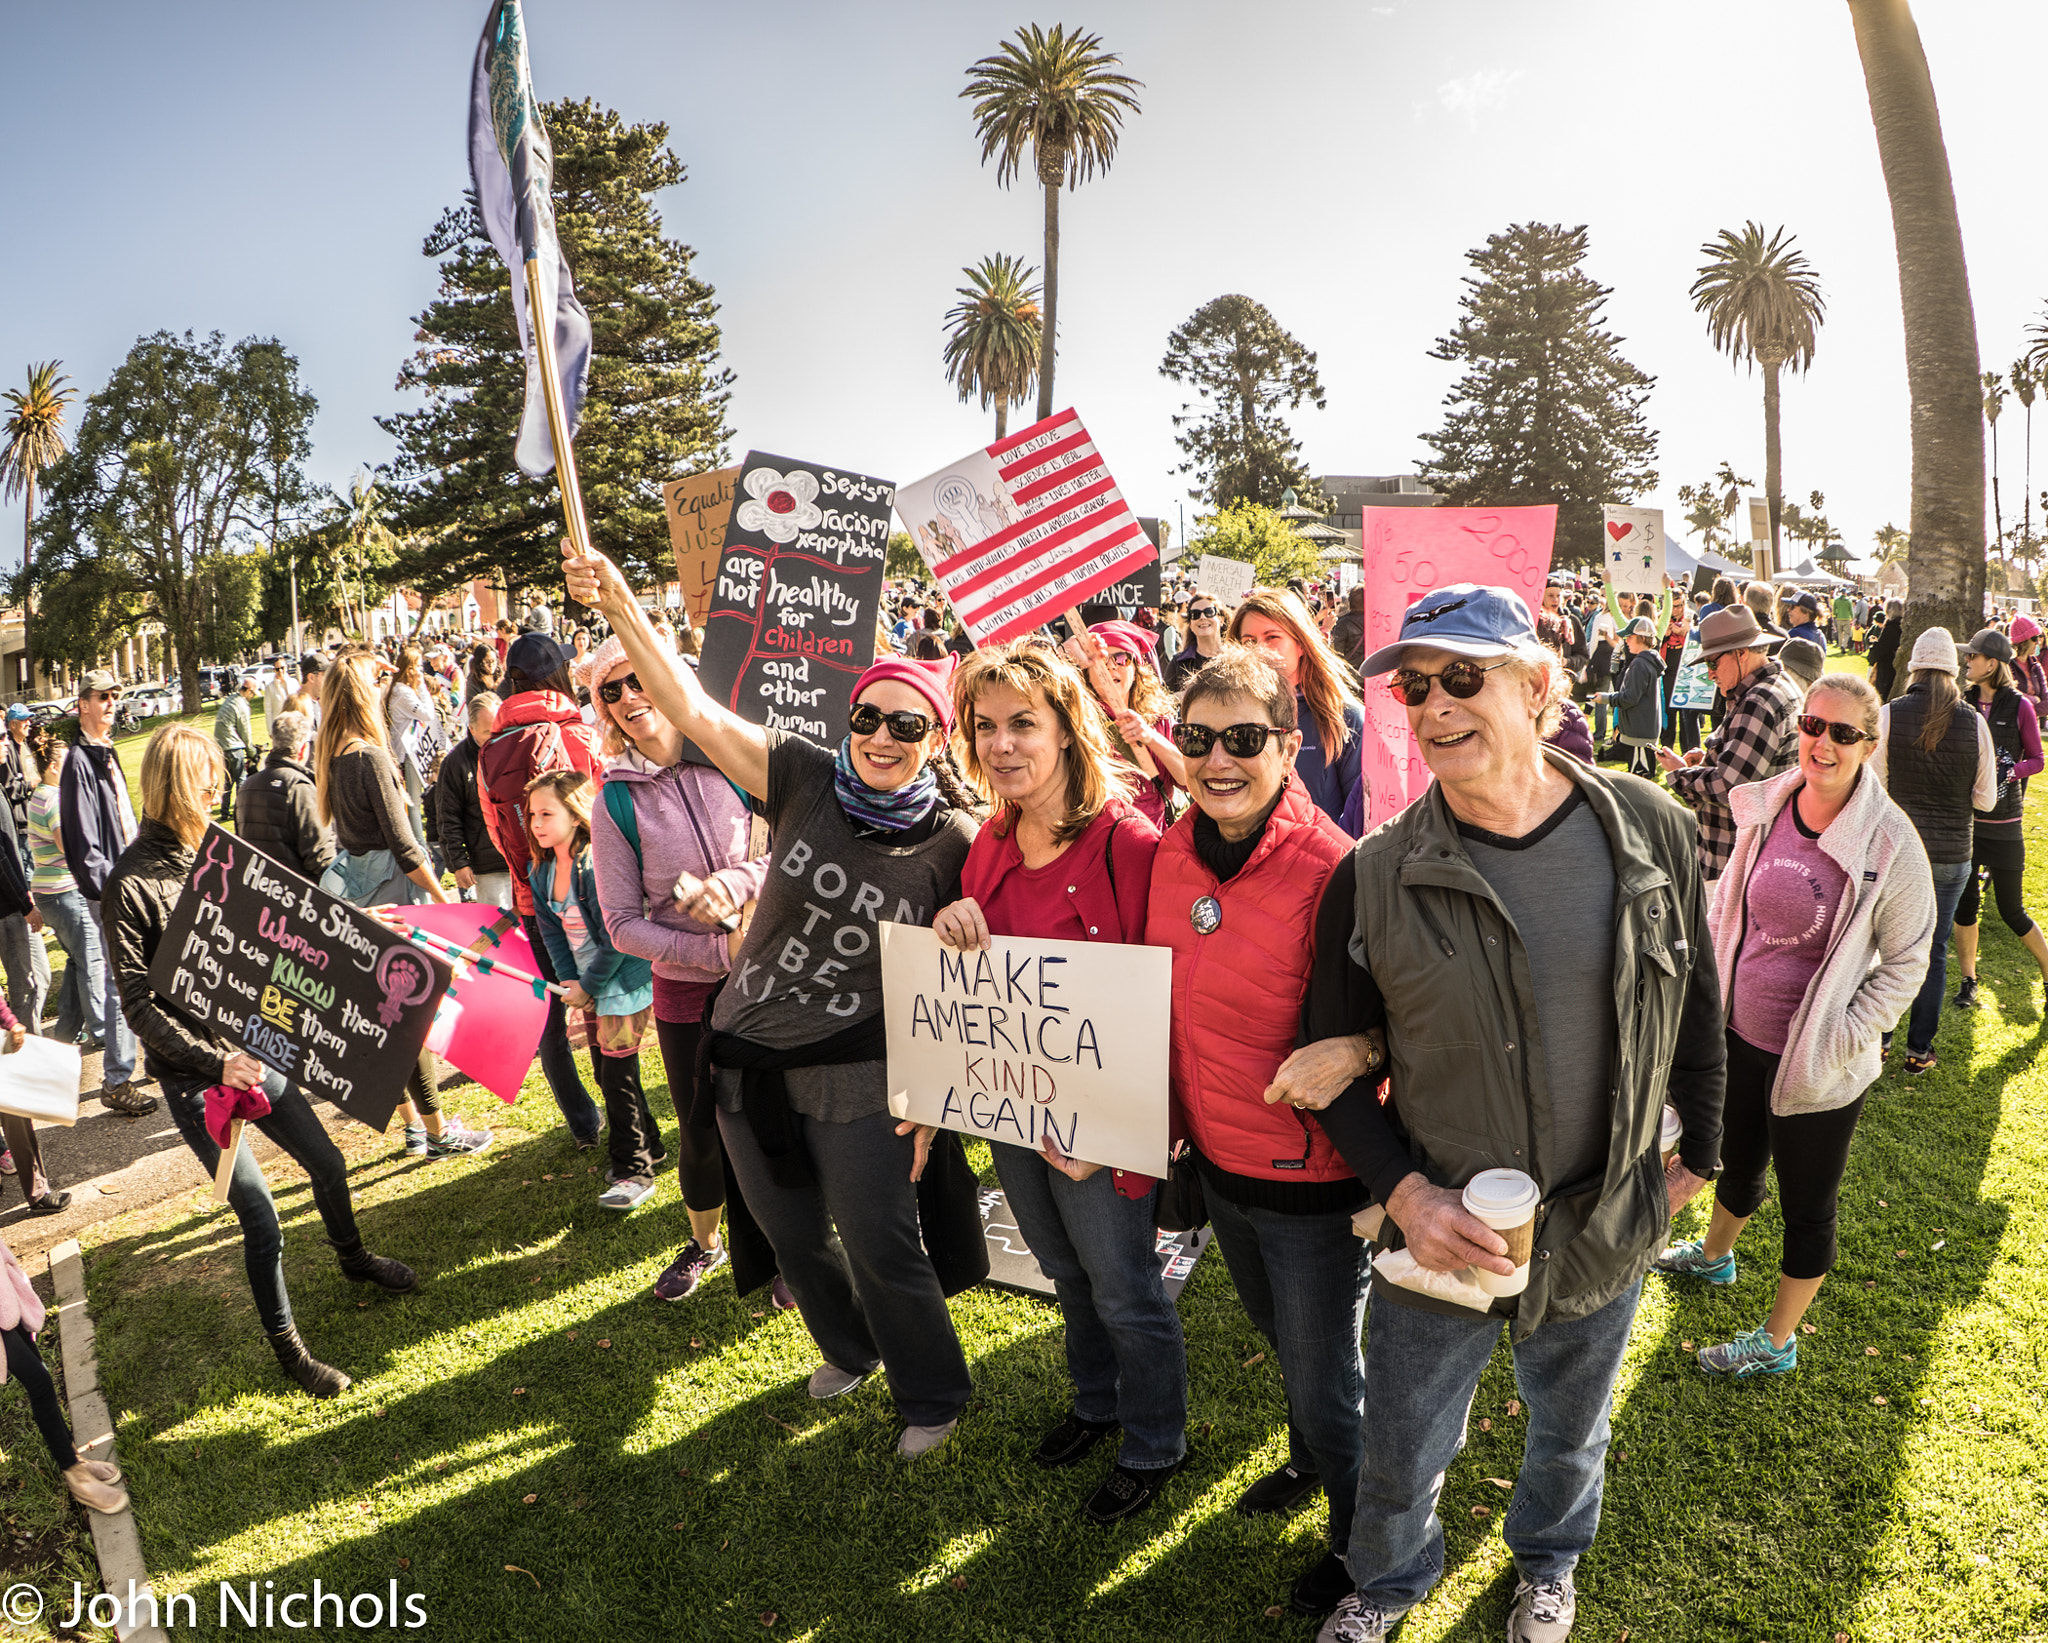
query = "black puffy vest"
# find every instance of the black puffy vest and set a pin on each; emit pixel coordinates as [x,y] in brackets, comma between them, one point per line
[2003,716]
[1933,788]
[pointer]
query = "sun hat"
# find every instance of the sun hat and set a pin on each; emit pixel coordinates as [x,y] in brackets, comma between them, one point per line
[931,680]
[1990,642]
[1935,649]
[1733,627]
[1802,659]
[1465,619]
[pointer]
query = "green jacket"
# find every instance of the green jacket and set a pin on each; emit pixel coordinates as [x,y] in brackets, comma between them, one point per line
[1465,1050]
[231,727]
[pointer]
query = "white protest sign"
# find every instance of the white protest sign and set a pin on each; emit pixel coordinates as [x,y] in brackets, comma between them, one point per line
[1633,549]
[1226,579]
[1066,1039]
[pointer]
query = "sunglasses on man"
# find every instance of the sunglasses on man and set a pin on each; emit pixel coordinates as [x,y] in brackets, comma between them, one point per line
[866,719]
[1461,679]
[1812,724]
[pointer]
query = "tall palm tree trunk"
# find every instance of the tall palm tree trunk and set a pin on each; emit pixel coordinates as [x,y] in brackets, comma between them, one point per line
[1945,561]
[1773,477]
[28,597]
[1997,511]
[1002,420]
[1052,292]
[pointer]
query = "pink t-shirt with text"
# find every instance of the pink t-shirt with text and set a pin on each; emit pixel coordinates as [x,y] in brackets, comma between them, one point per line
[1789,906]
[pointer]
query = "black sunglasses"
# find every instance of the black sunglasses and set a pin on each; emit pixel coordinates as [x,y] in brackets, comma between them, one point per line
[866,719]
[1239,741]
[1200,615]
[1464,680]
[612,689]
[1812,724]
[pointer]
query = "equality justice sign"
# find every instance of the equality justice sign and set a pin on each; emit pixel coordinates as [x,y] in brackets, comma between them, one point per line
[698,507]
[1022,529]
[792,621]
[1410,552]
[1032,1039]
[309,985]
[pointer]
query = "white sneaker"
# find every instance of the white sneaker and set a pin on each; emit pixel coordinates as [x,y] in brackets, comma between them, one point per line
[1543,1613]
[1356,1621]
[830,1381]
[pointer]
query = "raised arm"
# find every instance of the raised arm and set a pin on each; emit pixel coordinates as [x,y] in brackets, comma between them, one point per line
[738,748]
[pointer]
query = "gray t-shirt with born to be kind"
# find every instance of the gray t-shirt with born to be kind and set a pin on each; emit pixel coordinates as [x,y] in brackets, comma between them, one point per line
[811,965]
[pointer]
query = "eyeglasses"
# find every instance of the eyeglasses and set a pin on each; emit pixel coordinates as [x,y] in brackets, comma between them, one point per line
[1461,679]
[1812,724]
[1206,613]
[1239,741]
[866,719]
[612,689]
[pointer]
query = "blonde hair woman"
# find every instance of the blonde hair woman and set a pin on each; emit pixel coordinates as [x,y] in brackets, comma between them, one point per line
[1327,708]
[1068,857]
[182,775]
[379,860]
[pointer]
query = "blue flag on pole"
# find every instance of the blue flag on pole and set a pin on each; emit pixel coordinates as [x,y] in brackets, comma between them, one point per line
[512,167]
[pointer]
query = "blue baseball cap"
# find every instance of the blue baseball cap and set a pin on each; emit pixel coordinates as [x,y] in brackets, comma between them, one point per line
[1465,619]
[16,711]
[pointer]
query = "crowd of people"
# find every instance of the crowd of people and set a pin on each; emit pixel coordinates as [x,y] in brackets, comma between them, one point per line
[1618,988]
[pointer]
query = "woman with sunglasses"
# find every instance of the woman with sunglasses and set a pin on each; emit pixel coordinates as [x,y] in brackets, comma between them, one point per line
[1820,926]
[1068,857]
[1205,639]
[1235,888]
[1326,704]
[1999,847]
[877,829]
[658,818]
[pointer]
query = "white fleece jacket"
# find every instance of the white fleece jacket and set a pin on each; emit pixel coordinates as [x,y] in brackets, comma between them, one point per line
[1877,950]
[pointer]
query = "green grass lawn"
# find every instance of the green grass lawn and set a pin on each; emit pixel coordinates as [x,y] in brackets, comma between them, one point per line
[542,1450]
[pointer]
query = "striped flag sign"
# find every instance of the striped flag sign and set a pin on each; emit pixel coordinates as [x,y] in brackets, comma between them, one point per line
[1021,530]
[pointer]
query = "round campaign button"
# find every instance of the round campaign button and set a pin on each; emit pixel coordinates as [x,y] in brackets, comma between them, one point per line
[1206,915]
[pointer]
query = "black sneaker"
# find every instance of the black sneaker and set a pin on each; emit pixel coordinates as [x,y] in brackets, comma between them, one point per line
[1321,1589]
[1126,1491]
[1966,995]
[53,1202]
[1278,1491]
[1070,1440]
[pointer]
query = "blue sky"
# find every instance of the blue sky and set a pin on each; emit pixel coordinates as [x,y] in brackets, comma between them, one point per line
[272,169]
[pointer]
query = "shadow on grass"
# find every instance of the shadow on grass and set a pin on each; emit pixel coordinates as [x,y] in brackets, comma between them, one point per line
[682,1483]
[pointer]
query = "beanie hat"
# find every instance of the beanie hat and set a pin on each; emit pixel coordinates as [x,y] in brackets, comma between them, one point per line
[931,680]
[1936,649]
[1127,637]
[609,658]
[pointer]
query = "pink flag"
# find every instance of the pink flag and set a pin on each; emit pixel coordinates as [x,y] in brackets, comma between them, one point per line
[489,1024]
[1409,552]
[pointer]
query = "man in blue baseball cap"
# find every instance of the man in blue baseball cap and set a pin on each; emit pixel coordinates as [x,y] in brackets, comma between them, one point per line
[20,774]
[1530,934]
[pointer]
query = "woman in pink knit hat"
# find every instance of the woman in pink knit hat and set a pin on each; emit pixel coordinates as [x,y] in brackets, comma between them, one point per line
[871,1223]
[1117,657]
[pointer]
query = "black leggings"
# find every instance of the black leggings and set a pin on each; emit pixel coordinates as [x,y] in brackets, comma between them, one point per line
[1809,1151]
[423,1085]
[2000,851]
[25,1364]
[700,1157]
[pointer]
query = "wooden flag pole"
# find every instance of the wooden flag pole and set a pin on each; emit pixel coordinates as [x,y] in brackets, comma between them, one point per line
[1098,677]
[540,316]
[225,1172]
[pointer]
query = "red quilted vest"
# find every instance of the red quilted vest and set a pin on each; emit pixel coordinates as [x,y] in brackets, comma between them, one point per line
[1237,992]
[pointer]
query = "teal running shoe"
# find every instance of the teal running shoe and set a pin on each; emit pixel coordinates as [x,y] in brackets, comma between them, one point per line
[1751,1354]
[1691,1260]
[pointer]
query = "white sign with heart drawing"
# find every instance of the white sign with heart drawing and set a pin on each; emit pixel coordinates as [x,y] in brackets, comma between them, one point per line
[1632,545]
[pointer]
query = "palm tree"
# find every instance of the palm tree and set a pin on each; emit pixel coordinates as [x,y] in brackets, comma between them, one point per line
[1057,95]
[992,346]
[1763,303]
[1891,542]
[35,438]
[1945,564]
[1994,402]
[2025,382]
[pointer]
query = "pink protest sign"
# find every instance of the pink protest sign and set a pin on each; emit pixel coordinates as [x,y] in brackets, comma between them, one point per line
[490,1022]
[1408,552]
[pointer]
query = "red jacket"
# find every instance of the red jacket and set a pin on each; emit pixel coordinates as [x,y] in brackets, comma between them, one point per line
[1237,992]
[538,730]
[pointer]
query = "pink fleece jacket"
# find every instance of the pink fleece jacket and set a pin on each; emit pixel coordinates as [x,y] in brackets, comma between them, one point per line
[19,1302]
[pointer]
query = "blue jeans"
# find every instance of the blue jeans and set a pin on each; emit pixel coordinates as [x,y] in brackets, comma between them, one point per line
[28,970]
[557,1059]
[1950,877]
[82,1003]
[1422,1369]
[1124,1347]
[1302,1280]
[118,1063]
[296,1128]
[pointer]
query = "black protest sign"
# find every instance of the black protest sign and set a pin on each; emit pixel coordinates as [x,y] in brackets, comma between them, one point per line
[304,982]
[792,621]
[1141,587]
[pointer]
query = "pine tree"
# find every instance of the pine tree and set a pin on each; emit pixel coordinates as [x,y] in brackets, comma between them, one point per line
[1547,410]
[1235,354]
[657,396]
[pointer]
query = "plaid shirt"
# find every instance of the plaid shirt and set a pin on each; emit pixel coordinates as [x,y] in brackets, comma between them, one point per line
[1758,739]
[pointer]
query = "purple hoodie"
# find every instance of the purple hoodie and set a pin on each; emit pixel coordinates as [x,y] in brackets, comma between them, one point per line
[690,820]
